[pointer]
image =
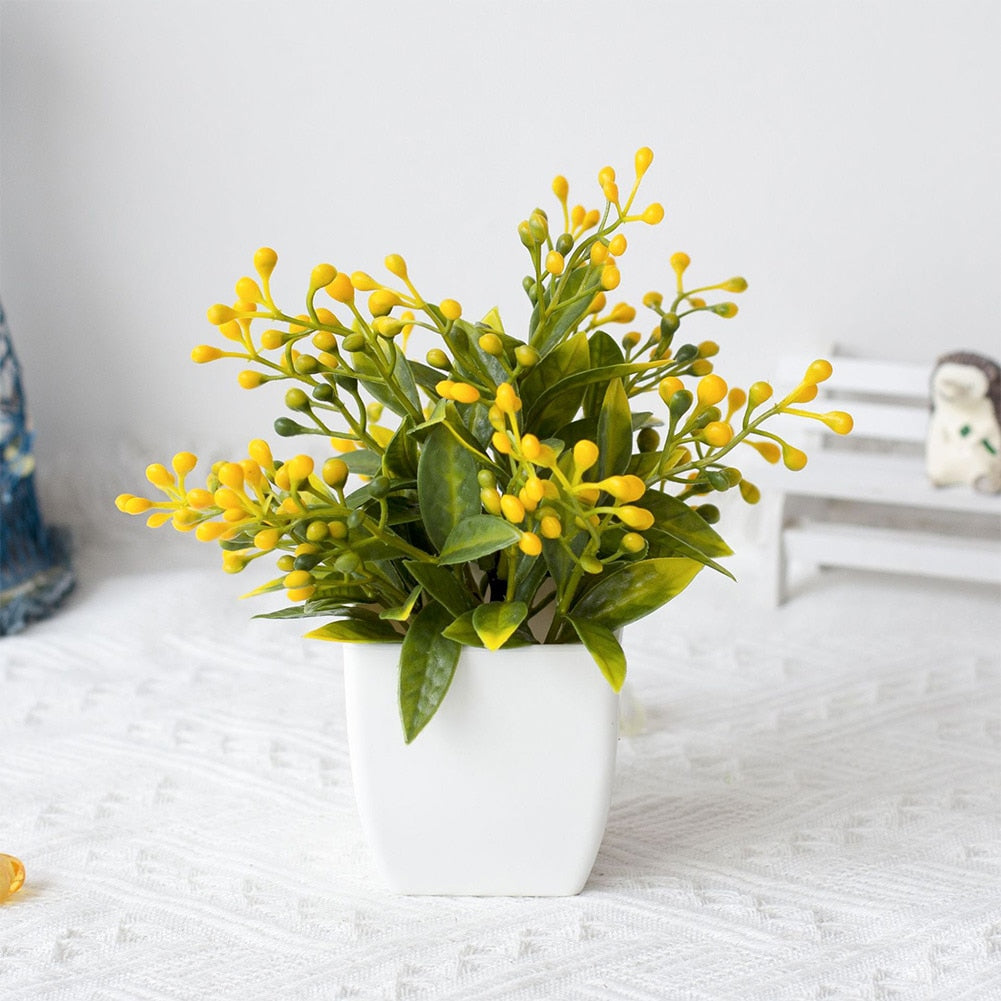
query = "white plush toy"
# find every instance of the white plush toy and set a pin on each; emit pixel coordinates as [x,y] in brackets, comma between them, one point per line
[964,436]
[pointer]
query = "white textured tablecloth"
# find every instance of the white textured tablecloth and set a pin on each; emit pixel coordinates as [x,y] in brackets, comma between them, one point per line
[810,812]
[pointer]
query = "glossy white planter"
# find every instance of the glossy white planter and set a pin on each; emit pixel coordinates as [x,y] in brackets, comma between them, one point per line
[505,792]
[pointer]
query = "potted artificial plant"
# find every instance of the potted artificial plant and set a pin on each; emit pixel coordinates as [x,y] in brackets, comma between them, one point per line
[489,519]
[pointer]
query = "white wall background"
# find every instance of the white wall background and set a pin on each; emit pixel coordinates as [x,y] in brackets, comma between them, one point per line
[843,156]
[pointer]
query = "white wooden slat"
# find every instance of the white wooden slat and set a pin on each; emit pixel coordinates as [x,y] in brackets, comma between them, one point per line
[914,552]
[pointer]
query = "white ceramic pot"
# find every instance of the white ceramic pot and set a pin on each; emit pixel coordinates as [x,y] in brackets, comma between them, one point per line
[506,790]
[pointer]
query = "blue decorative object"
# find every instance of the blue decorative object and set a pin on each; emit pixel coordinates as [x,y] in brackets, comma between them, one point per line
[35,571]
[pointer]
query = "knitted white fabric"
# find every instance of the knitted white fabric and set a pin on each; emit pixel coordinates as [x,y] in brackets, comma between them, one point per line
[808,812]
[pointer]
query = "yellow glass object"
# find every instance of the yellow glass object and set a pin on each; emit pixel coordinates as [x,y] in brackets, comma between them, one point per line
[11,876]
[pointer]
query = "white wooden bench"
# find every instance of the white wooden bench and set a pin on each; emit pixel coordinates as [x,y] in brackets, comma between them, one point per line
[865,501]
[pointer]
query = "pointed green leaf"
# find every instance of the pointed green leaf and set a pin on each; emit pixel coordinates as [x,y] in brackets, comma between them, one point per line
[634,591]
[678,519]
[362,461]
[545,411]
[567,359]
[402,612]
[442,586]
[356,631]
[463,631]
[604,351]
[272,585]
[477,536]
[666,544]
[615,431]
[447,490]
[427,666]
[399,462]
[604,648]
[495,623]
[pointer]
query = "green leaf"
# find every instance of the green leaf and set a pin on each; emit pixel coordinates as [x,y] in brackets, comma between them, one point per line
[427,665]
[362,461]
[546,410]
[447,490]
[272,585]
[402,612]
[442,586]
[477,536]
[604,351]
[576,295]
[567,359]
[356,631]
[400,459]
[666,544]
[604,648]
[634,591]
[496,622]
[676,518]
[615,431]
[463,631]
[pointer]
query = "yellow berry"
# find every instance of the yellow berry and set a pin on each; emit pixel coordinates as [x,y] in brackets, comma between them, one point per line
[137,505]
[551,527]
[397,266]
[792,457]
[668,386]
[653,214]
[265,260]
[450,309]
[322,275]
[560,187]
[610,277]
[555,262]
[444,388]
[341,288]
[652,300]
[708,349]
[679,262]
[534,491]
[624,488]
[512,508]
[599,253]
[231,475]
[299,468]
[364,282]
[249,379]
[803,393]
[734,285]
[585,455]
[382,301]
[768,450]
[463,392]
[635,517]
[818,371]
[531,447]
[158,475]
[266,539]
[204,353]
[633,542]
[492,345]
[838,421]
[260,452]
[297,579]
[643,159]
[502,443]
[301,594]
[530,544]
[507,400]
[233,562]
[220,314]
[591,218]
[184,462]
[209,531]
[606,175]
[711,390]
[490,500]
[717,434]
[759,393]
[622,312]
[437,358]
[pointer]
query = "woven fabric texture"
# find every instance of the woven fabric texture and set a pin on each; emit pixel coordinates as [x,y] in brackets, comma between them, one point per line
[806,809]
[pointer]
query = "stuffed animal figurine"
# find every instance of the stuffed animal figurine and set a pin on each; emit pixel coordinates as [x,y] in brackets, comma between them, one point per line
[964,435]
